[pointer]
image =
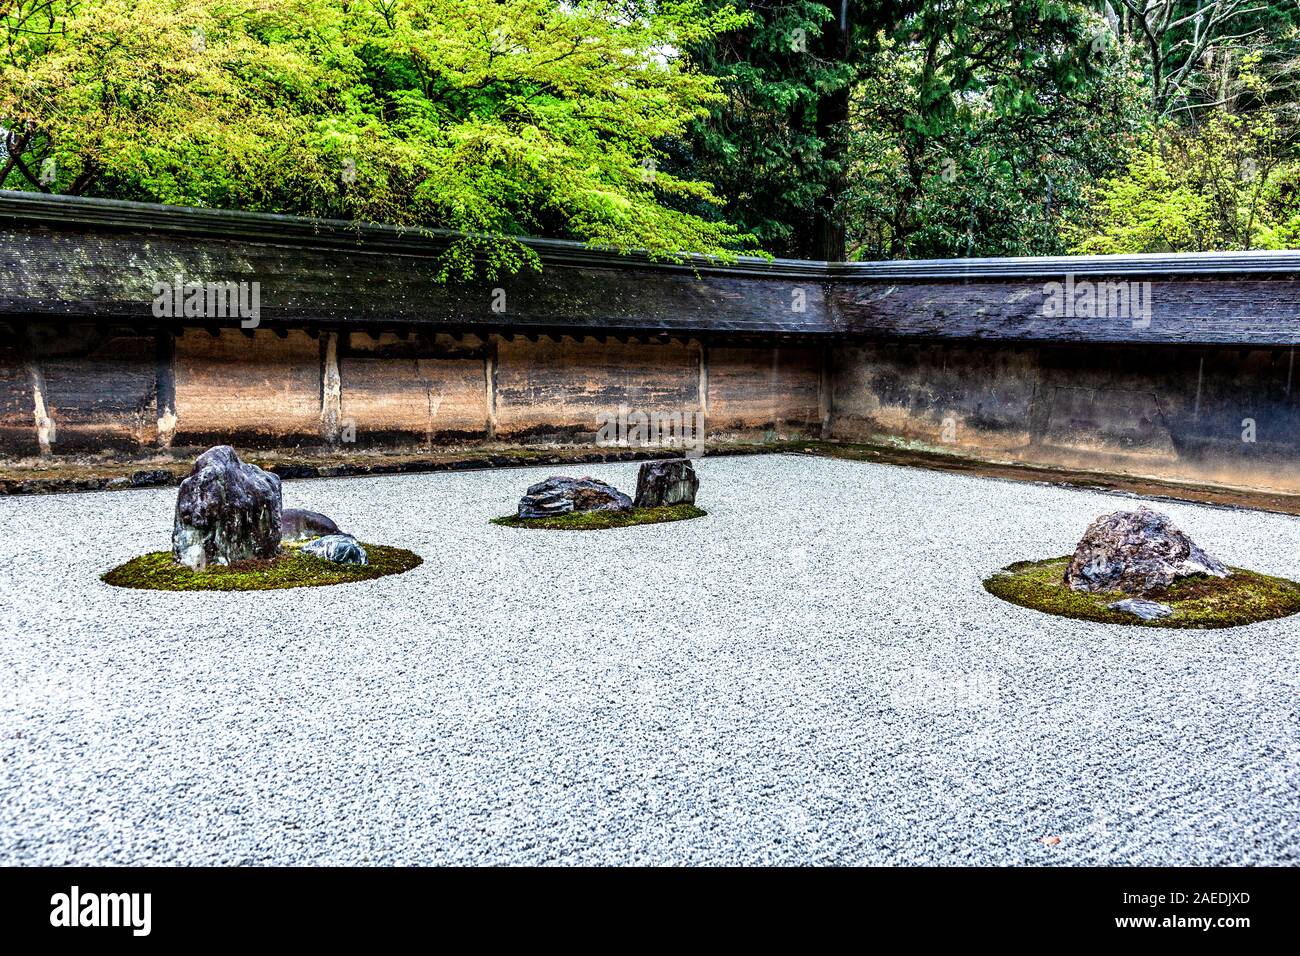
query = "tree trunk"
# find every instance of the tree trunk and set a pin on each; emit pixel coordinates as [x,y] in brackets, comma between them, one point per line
[827,238]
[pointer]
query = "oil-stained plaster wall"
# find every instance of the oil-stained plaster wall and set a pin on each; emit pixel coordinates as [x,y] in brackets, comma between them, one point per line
[83,388]
[416,390]
[1211,414]
[1226,416]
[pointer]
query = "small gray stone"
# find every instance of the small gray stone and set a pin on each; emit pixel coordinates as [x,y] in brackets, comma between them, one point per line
[1147,610]
[662,483]
[339,548]
[149,477]
[558,496]
[299,525]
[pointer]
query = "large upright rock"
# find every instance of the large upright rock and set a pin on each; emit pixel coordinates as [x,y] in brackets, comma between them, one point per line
[671,482]
[1136,552]
[559,496]
[227,510]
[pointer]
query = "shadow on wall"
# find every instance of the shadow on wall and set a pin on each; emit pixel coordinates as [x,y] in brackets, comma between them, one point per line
[1216,415]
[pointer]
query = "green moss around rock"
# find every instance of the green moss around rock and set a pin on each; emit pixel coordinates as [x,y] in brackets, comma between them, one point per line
[1198,602]
[291,568]
[597,520]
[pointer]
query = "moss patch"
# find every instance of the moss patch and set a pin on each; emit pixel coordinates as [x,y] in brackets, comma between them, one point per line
[291,568]
[596,520]
[1200,602]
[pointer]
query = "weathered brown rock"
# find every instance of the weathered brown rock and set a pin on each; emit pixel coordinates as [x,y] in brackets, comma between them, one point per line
[558,496]
[227,510]
[299,525]
[1136,552]
[671,482]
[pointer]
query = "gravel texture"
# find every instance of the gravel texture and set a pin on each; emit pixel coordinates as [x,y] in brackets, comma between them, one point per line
[810,674]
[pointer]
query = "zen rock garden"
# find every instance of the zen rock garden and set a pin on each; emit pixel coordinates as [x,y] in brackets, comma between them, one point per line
[665,491]
[1139,567]
[232,532]
[1130,567]
[825,617]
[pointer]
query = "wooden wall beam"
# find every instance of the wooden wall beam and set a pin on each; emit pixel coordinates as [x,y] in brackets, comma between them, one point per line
[46,430]
[331,403]
[165,386]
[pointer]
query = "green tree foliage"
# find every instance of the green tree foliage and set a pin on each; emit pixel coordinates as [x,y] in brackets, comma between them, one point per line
[1228,181]
[760,148]
[777,148]
[950,127]
[490,117]
[813,128]
[978,125]
[1186,44]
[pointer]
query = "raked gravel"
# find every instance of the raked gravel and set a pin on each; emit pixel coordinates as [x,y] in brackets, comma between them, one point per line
[810,674]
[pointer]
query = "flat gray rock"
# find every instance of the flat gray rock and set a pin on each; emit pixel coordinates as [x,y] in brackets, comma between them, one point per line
[1147,610]
[297,524]
[339,548]
[558,496]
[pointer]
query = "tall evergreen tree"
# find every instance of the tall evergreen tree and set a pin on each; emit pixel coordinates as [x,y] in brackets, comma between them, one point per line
[776,151]
[847,120]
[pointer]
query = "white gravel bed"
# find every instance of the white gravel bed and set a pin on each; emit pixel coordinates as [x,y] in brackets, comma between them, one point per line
[810,674]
